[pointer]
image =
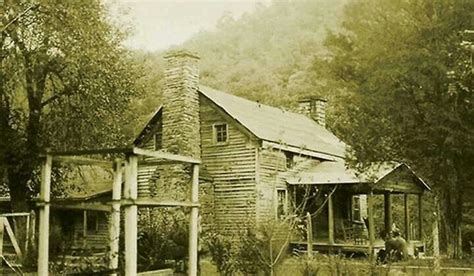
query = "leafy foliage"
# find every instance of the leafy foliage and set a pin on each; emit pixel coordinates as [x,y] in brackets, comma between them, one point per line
[162,239]
[65,82]
[407,93]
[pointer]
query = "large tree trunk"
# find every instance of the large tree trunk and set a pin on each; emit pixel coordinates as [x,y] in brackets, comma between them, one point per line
[452,201]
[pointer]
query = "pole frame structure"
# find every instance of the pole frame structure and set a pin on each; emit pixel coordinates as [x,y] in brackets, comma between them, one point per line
[131,219]
[129,201]
[114,229]
[43,236]
[194,223]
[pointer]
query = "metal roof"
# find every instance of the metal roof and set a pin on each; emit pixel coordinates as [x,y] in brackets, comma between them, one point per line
[276,125]
[337,173]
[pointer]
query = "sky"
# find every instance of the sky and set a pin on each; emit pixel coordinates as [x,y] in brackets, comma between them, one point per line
[159,24]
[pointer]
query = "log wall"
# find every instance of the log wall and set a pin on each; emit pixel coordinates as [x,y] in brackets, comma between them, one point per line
[232,167]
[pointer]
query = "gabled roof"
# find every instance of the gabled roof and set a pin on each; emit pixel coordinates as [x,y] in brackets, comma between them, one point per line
[275,125]
[331,173]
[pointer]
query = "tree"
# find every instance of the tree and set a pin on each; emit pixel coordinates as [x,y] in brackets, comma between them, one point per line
[65,82]
[407,94]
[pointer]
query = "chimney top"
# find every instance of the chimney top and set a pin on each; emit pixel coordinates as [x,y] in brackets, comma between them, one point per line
[315,108]
[181,53]
[312,99]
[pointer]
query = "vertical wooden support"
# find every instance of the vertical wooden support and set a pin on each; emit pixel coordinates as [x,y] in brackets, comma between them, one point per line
[43,246]
[2,227]
[194,224]
[114,229]
[84,228]
[388,212]
[309,234]
[27,235]
[407,217]
[130,192]
[420,217]
[370,214]
[330,220]
[33,227]
[436,259]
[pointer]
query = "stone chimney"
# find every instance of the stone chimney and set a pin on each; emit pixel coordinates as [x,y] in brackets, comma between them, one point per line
[315,108]
[181,125]
[181,133]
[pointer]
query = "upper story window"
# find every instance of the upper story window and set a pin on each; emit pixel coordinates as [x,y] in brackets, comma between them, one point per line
[221,133]
[290,162]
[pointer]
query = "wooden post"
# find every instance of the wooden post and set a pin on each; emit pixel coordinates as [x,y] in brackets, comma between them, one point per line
[309,234]
[436,259]
[388,213]
[194,224]
[84,228]
[2,227]
[27,236]
[407,217]
[420,217]
[130,192]
[370,214]
[330,220]
[114,229]
[43,246]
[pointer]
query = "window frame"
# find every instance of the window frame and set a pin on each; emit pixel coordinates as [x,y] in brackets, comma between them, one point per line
[277,203]
[355,207]
[215,132]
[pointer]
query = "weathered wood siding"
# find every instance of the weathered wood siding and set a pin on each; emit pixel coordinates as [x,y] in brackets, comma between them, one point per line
[147,175]
[93,239]
[273,171]
[232,167]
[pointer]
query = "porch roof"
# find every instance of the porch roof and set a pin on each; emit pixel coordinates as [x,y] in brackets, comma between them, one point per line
[387,176]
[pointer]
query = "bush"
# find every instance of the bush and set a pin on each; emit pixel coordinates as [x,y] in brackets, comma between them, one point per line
[162,239]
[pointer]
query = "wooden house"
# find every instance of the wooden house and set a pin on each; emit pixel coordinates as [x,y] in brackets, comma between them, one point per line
[256,157]
[256,161]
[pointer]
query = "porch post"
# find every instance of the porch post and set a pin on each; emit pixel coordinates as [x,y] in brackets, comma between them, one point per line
[407,217]
[388,212]
[330,220]
[370,214]
[420,217]
[130,193]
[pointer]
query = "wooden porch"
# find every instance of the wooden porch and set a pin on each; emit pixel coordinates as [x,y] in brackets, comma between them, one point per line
[358,235]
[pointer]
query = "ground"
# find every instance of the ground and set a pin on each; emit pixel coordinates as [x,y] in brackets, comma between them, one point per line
[333,265]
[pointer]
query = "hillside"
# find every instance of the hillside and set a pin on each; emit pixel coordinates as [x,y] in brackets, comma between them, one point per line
[266,55]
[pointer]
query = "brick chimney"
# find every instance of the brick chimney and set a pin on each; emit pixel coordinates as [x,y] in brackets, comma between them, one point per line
[181,133]
[315,108]
[181,125]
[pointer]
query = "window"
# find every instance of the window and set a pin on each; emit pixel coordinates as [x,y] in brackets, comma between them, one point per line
[220,133]
[289,159]
[281,203]
[356,215]
[93,219]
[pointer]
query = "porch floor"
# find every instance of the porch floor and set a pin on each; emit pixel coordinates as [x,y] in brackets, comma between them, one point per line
[348,247]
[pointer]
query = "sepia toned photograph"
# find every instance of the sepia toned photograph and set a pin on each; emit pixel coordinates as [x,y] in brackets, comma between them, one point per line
[237,137]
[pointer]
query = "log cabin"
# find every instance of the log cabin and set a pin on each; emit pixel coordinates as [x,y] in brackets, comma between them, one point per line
[256,159]
[256,163]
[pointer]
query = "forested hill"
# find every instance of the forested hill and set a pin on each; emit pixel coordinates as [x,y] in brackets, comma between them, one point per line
[266,55]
